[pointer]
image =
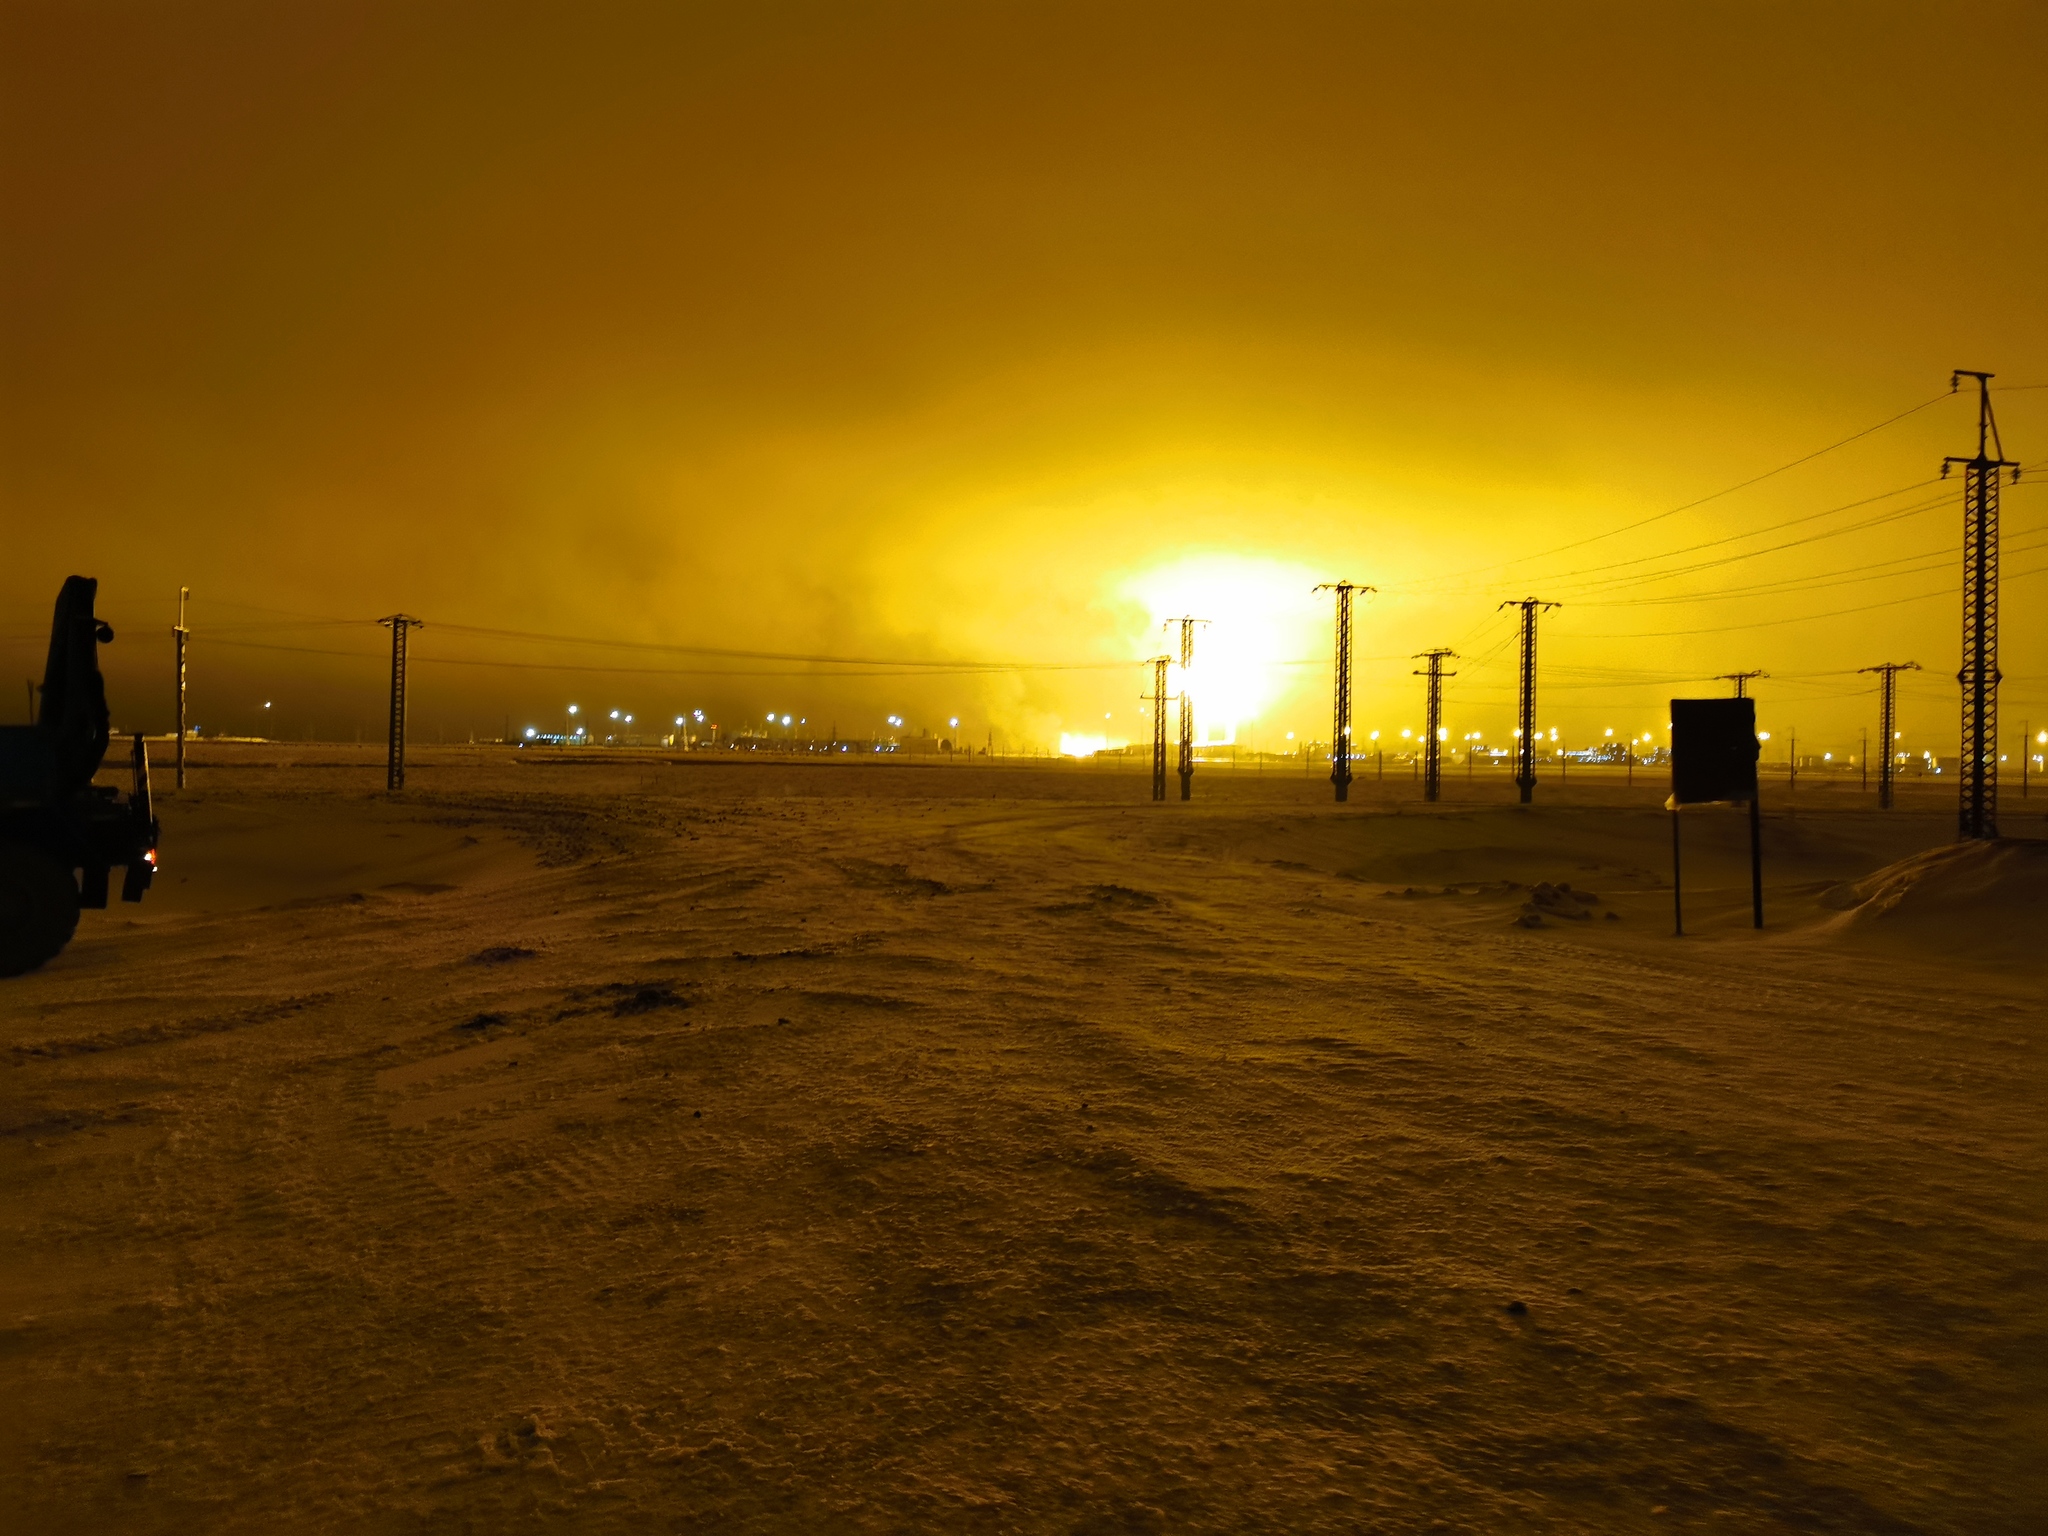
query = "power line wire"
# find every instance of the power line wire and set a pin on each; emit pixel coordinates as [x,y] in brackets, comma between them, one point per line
[1752,533]
[1928,560]
[1742,485]
[1804,618]
[577,666]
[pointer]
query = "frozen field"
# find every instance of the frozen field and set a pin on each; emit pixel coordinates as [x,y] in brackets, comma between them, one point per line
[742,1148]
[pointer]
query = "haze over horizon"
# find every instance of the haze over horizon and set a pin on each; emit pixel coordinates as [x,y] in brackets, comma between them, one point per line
[935,336]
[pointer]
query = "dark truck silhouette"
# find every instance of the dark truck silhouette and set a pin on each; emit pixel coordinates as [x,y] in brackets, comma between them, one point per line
[60,833]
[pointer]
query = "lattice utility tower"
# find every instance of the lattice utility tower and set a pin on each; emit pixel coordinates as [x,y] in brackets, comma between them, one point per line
[1888,721]
[1187,705]
[1340,709]
[394,763]
[1159,666]
[1741,680]
[1978,815]
[179,636]
[1432,740]
[1525,744]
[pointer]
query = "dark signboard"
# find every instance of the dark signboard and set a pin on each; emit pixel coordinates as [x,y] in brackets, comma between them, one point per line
[1713,750]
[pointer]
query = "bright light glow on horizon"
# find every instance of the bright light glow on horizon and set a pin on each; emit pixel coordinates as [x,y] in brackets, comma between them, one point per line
[1261,613]
[1072,745]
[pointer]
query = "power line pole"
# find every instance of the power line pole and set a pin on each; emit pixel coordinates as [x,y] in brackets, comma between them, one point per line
[1187,705]
[1740,680]
[1888,720]
[1159,666]
[1978,815]
[394,766]
[179,635]
[1525,748]
[1340,712]
[1432,748]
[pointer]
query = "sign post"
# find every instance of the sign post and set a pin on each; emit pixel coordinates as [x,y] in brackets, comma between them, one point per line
[1677,899]
[1713,762]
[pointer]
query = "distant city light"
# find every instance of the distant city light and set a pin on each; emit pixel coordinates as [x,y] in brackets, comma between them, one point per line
[531,733]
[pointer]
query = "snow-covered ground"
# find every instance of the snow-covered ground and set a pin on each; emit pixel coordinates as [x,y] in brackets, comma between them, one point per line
[631,1147]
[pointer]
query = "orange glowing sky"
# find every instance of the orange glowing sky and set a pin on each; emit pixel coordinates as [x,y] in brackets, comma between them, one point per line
[1002,332]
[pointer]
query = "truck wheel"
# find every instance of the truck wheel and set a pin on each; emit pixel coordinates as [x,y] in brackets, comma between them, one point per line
[38,908]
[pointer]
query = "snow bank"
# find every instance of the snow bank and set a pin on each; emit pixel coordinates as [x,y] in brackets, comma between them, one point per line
[1984,898]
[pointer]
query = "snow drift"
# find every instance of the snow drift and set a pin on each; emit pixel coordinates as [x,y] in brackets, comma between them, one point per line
[1983,898]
